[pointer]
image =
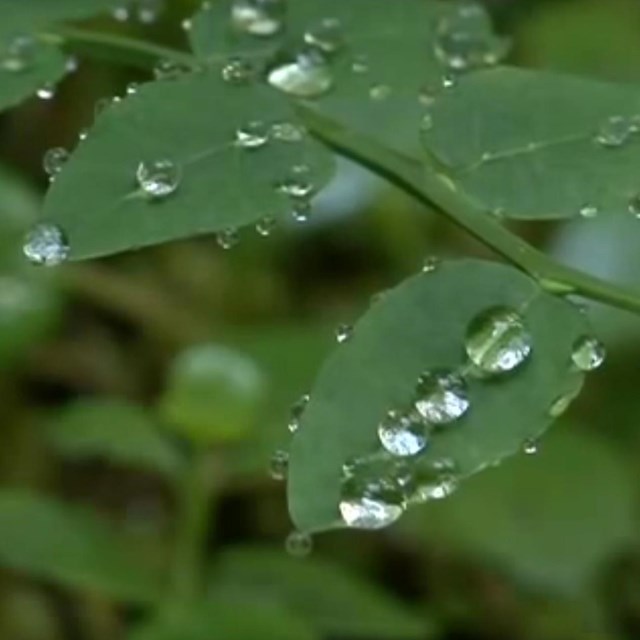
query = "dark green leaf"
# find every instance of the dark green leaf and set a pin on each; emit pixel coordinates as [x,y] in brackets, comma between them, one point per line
[98,202]
[67,545]
[120,432]
[523,143]
[421,325]
[335,602]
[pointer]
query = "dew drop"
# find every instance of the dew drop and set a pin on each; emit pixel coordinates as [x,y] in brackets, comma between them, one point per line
[588,211]
[46,92]
[71,65]
[530,447]
[19,55]
[83,134]
[258,17]
[298,184]
[426,124]
[120,13]
[288,132]
[253,135]
[379,92]
[441,397]
[54,160]
[279,465]
[297,410]
[614,132]
[46,245]
[159,178]
[449,81]
[403,435]
[301,210]
[634,205]
[228,238]
[328,36]
[132,88]
[299,544]
[369,513]
[237,70]
[149,10]
[307,76]
[431,264]
[438,489]
[187,24]
[344,333]
[498,341]
[169,70]
[588,353]
[360,64]
[265,226]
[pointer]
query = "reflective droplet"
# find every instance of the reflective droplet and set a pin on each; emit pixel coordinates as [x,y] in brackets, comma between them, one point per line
[307,76]
[253,135]
[360,64]
[228,238]
[368,513]
[344,333]
[298,184]
[403,435]
[634,205]
[83,134]
[265,226]
[54,160]
[431,264]
[187,24]
[588,354]
[299,544]
[46,92]
[288,132]
[46,245]
[614,132]
[258,17]
[498,341]
[530,447]
[132,88]
[588,211]
[19,55]
[438,489]
[296,413]
[427,95]
[441,397]
[449,81]
[169,70]
[71,65]
[120,12]
[379,92]
[301,210]
[328,36]
[159,179]
[279,465]
[149,10]
[238,70]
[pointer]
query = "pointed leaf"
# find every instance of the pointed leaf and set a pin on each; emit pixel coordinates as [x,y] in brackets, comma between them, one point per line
[421,325]
[523,143]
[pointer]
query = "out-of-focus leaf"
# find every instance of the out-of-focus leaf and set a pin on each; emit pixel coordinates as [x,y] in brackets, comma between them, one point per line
[325,595]
[552,518]
[63,544]
[121,433]
[228,618]
[528,144]
[102,207]
[422,325]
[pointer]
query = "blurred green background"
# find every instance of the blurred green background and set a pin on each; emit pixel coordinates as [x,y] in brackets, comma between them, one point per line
[111,372]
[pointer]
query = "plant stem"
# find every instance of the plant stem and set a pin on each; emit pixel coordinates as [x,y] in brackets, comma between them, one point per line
[436,190]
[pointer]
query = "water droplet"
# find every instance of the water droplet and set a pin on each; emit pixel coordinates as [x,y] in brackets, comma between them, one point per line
[71,65]
[449,81]
[438,489]
[588,353]
[258,17]
[296,413]
[403,435]
[288,132]
[46,92]
[53,161]
[441,397]
[132,88]
[187,24]
[634,205]
[498,341]
[301,210]
[589,211]
[19,55]
[149,10]
[328,36]
[299,544]
[83,134]
[614,132]
[307,76]
[426,124]
[169,70]
[379,92]
[228,238]
[253,135]
[46,245]
[344,333]
[265,226]
[279,465]
[159,179]
[237,70]
[431,264]
[369,513]
[120,13]
[298,184]
[360,64]
[530,447]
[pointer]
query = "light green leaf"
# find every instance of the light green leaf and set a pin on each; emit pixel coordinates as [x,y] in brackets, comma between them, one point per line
[551,519]
[228,618]
[333,601]
[113,429]
[55,542]
[386,63]
[421,325]
[523,143]
[100,205]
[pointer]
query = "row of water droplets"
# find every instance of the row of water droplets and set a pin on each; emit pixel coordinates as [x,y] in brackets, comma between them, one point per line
[377,488]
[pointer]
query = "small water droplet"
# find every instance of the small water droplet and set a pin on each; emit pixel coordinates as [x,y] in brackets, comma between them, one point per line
[306,76]
[299,544]
[149,10]
[298,184]
[258,17]
[296,413]
[279,465]
[588,211]
[169,70]
[344,333]
[121,12]
[237,70]
[369,513]
[19,55]
[228,238]
[426,124]
[438,489]
[614,132]
[46,245]
[301,211]
[54,160]
[634,205]
[253,135]
[72,64]
[132,88]
[402,434]
[265,226]
[497,340]
[159,178]
[530,447]
[187,24]
[431,264]
[328,36]
[449,81]
[441,397]
[380,92]
[288,132]
[83,134]
[588,353]
[46,92]
[360,64]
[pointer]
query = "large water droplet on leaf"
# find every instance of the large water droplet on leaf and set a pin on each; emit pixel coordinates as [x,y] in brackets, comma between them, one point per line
[441,397]
[306,76]
[258,17]
[159,178]
[46,245]
[588,353]
[403,434]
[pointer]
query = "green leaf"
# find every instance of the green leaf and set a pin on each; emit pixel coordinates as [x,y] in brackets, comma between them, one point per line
[421,325]
[388,53]
[523,143]
[113,429]
[333,601]
[98,202]
[552,519]
[55,542]
[228,618]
